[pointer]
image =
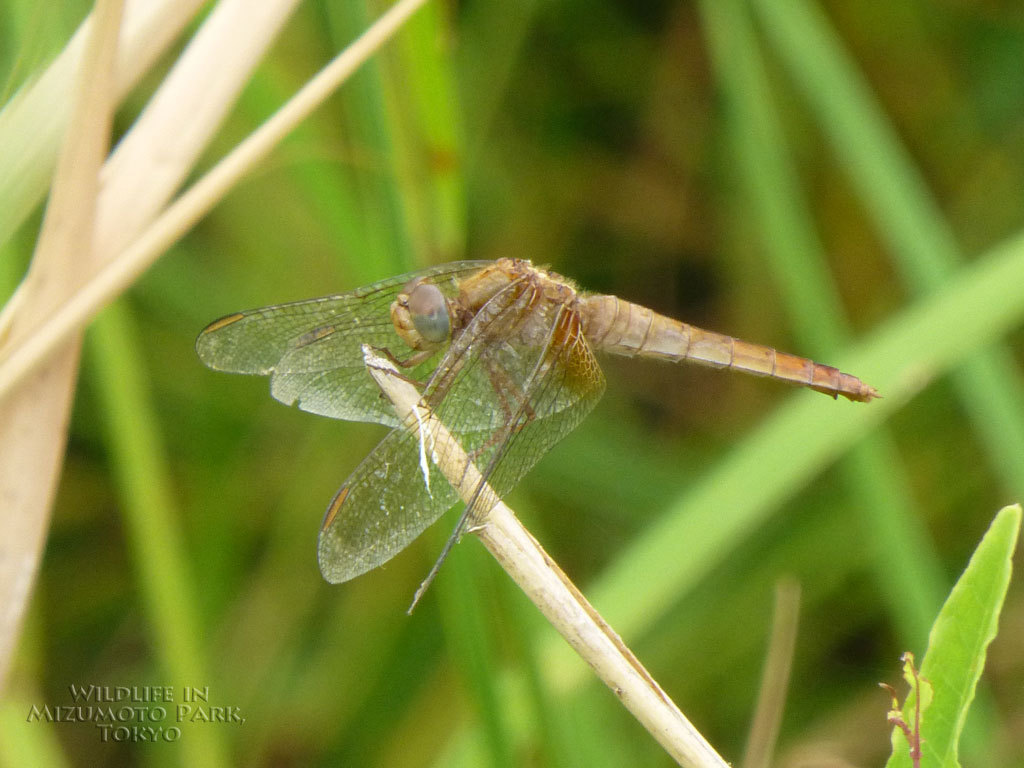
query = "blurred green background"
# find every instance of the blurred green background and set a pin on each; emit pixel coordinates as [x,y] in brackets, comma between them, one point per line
[794,173]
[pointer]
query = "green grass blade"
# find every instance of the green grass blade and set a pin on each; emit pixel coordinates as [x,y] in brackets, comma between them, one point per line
[463,609]
[960,637]
[896,196]
[491,41]
[765,167]
[151,519]
[383,236]
[405,110]
[873,472]
[801,439]
[38,745]
[426,118]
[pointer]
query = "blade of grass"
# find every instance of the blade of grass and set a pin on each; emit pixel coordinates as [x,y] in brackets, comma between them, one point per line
[153,159]
[909,571]
[424,111]
[540,578]
[151,517]
[771,697]
[492,38]
[384,229]
[799,440]
[36,746]
[472,648]
[32,123]
[419,96]
[989,382]
[106,217]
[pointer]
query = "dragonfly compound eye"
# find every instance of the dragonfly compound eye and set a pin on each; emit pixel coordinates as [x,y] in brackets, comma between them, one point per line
[429,312]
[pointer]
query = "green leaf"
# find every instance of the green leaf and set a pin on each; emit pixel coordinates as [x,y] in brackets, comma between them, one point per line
[957,645]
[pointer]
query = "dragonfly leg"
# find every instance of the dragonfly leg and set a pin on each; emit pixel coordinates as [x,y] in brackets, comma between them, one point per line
[513,400]
[514,405]
[410,362]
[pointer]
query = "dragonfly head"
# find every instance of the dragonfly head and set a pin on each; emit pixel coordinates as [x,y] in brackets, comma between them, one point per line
[421,315]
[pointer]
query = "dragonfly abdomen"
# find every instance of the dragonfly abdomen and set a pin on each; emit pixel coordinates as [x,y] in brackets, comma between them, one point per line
[621,327]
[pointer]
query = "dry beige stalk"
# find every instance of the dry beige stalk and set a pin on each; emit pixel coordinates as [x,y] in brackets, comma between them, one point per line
[33,421]
[120,272]
[545,583]
[35,119]
[127,235]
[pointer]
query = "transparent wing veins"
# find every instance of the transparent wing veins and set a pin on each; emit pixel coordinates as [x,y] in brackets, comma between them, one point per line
[312,349]
[388,491]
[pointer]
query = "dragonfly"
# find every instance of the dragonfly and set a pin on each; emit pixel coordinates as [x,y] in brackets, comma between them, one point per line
[501,353]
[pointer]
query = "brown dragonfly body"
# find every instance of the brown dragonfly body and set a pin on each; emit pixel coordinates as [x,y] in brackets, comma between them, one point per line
[620,327]
[503,355]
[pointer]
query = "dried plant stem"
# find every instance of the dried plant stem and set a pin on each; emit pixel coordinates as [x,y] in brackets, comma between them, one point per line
[119,273]
[771,699]
[546,584]
[33,422]
[33,122]
[134,185]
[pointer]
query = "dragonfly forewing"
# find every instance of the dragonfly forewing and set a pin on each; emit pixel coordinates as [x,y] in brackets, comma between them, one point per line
[312,350]
[505,403]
